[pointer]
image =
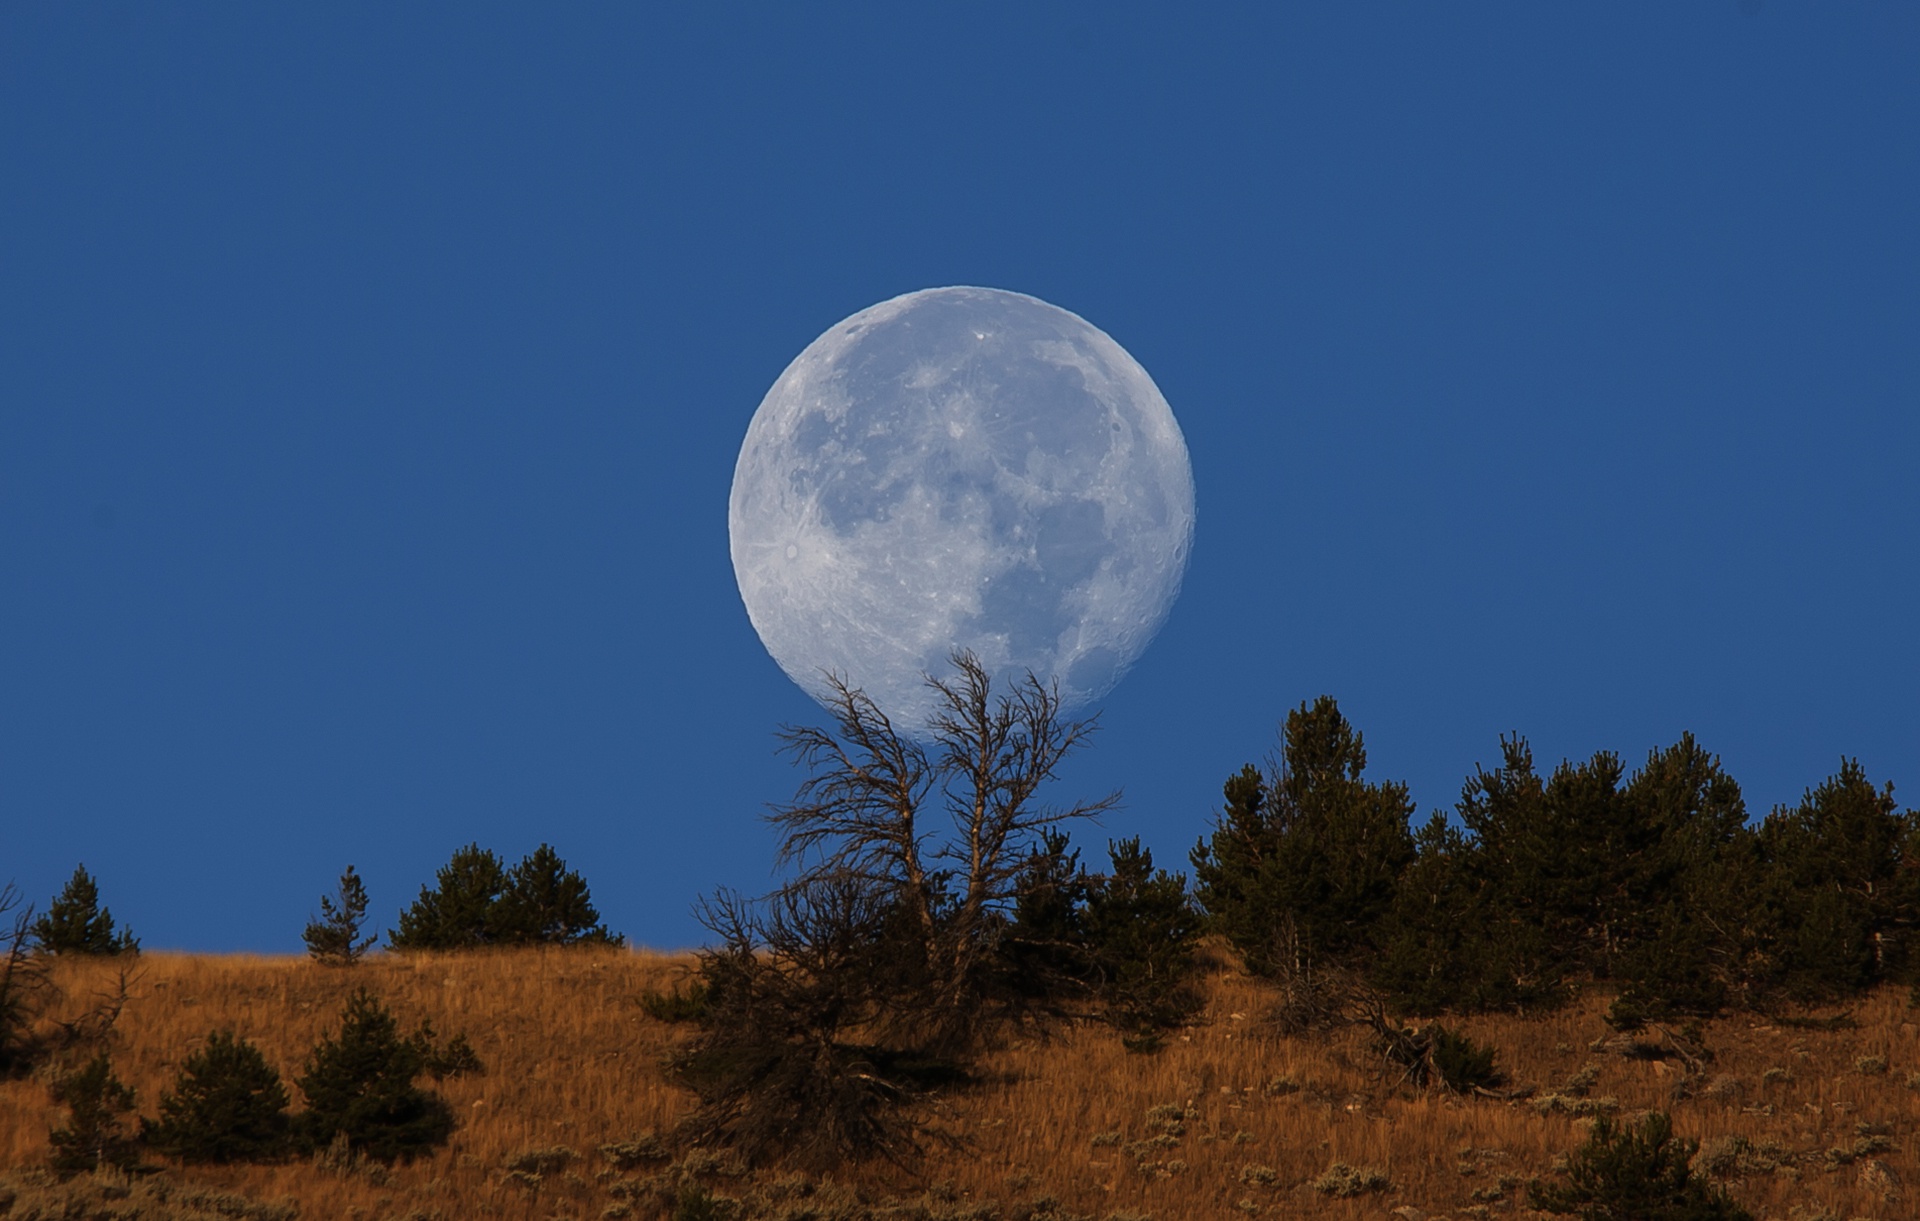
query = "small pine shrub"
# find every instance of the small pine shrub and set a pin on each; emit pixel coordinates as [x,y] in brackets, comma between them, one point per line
[227,1105]
[75,923]
[677,1005]
[453,1058]
[359,1084]
[334,938]
[1462,1064]
[1644,1173]
[93,1138]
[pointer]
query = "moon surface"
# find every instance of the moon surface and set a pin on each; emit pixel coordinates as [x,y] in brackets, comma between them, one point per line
[960,468]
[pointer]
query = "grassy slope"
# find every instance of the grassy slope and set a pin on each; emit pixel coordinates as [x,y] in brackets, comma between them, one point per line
[573,1061]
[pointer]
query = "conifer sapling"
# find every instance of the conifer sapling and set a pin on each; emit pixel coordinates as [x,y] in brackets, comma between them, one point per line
[334,939]
[227,1105]
[75,923]
[92,1138]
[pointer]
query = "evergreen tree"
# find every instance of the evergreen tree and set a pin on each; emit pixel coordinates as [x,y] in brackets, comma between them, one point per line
[334,938]
[227,1105]
[457,912]
[75,923]
[546,903]
[93,1138]
[1695,935]
[1636,1174]
[1843,881]
[1045,947]
[477,901]
[360,1083]
[1301,868]
[1140,928]
[1449,944]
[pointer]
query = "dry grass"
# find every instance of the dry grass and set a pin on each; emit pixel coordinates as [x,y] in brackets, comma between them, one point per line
[1228,1121]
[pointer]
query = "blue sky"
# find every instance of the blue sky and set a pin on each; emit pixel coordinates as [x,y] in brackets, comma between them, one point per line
[371,379]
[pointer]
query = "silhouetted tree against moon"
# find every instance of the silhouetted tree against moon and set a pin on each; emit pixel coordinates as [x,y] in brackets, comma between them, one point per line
[874,973]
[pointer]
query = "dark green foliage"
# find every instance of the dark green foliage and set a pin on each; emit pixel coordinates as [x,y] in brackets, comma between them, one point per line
[1448,943]
[454,1057]
[1695,940]
[75,923]
[1649,881]
[1139,930]
[1429,1054]
[477,901]
[457,912]
[1044,949]
[360,1083]
[688,1004]
[1843,887]
[807,1044]
[1461,1064]
[93,1137]
[1624,1173]
[545,903]
[227,1105]
[334,938]
[696,1203]
[1302,867]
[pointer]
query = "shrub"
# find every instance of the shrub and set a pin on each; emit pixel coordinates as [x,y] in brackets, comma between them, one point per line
[359,1084]
[453,1058]
[1640,1173]
[227,1105]
[334,938]
[676,1005]
[1343,1182]
[75,923]
[93,1138]
[1461,1064]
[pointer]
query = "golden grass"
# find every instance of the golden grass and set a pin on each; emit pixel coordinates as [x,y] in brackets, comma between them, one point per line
[1228,1121]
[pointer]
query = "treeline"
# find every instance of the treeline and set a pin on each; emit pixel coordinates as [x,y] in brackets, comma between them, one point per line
[937,905]
[475,901]
[228,1104]
[1653,881]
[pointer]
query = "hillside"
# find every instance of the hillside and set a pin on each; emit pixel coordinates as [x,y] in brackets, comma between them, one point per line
[1229,1120]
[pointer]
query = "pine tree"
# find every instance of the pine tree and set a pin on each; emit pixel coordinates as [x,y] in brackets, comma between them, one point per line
[1141,928]
[360,1083]
[1694,935]
[334,938]
[457,912]
[1045,949]
[1301,869]
[1843,880]
[75,923]
[1636,1174]
[227,1105]
[93,1138]
[546,903]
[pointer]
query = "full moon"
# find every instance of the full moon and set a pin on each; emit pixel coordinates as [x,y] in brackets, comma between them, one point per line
[960,468]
